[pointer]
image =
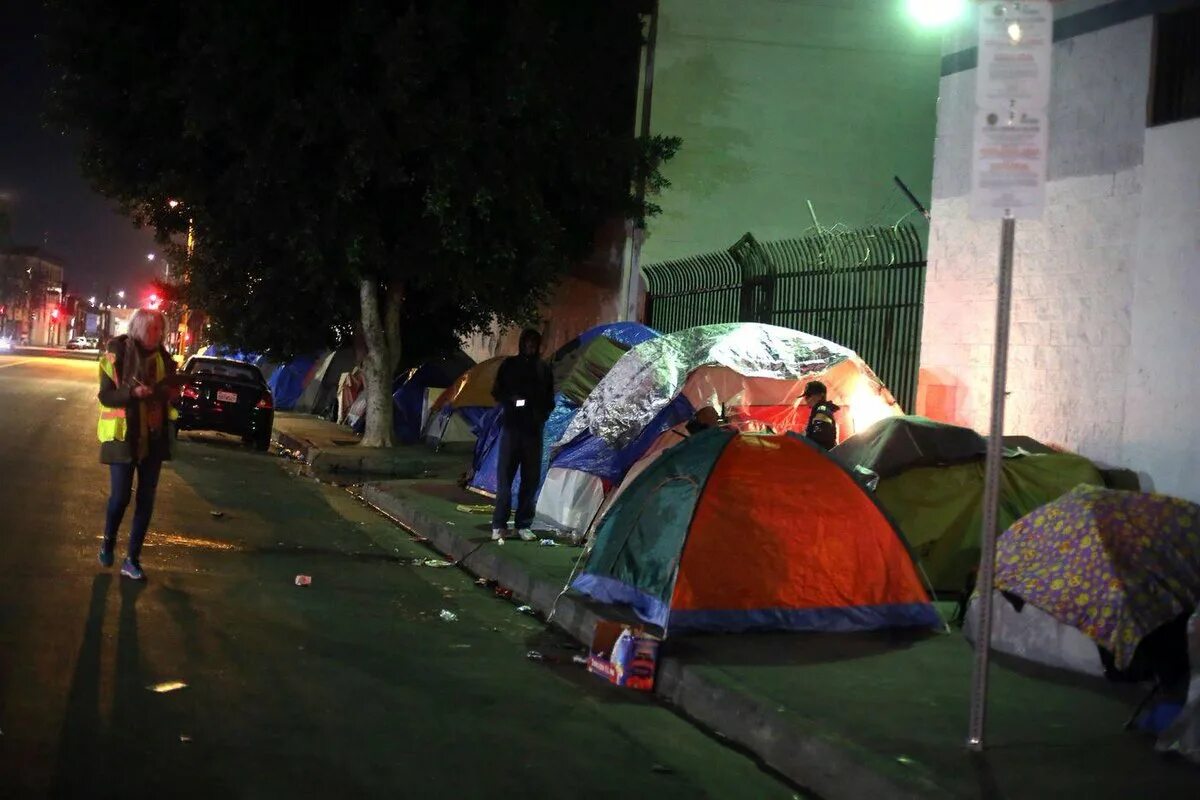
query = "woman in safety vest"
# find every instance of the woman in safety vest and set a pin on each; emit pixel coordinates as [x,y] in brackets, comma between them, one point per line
[136,417]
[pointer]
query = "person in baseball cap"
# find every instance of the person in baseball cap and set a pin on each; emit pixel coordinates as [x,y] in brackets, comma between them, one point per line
[822,427]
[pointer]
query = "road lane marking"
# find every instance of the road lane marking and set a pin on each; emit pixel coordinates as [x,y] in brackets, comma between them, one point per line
[16,363]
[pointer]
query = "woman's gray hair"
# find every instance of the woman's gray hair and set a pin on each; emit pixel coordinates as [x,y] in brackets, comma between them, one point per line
[141,321]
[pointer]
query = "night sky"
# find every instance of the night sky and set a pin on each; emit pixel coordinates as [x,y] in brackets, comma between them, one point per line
[51,204]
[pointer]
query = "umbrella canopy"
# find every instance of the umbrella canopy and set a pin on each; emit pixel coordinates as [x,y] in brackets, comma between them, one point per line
[1115,565]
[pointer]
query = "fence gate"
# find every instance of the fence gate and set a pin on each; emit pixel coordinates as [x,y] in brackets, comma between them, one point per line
[863,289]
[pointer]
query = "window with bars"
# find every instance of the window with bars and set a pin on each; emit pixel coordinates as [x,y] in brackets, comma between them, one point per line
[1175,87]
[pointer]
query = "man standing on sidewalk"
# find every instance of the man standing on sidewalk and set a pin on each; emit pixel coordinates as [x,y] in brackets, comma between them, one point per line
[525,390]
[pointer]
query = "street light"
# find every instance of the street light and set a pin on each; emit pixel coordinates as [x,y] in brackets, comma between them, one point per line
[935,13]
[149,256]
[91,301]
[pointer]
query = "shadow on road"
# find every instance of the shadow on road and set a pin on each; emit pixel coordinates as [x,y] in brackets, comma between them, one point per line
[79,741]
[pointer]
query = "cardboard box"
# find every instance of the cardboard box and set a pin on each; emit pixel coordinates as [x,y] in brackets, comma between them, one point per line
[634,665]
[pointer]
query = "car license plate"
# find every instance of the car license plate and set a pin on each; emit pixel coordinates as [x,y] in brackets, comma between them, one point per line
[226,397]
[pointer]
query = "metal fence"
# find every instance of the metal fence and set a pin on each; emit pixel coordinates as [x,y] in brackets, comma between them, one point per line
[863,289]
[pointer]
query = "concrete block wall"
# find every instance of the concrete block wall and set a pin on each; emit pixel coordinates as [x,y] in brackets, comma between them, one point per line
[1090,292]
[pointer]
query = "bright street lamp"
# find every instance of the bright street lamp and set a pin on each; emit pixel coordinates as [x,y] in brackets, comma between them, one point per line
[121,294]
[91,301]
[935,13]
[149,256]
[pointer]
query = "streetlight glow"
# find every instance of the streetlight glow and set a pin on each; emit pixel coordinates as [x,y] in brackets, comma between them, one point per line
[933,13]
[149,256]
[121,294]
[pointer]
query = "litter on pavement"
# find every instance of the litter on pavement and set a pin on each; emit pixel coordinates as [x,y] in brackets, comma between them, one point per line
[448,616]
[217,514]
[525,609]
[547,543]
[166,686]
[303,580]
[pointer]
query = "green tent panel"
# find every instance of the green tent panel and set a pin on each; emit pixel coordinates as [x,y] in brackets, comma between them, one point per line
[592,364]
[940,509]
[653,516]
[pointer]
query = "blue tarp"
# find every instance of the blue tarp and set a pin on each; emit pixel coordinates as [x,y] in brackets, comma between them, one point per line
[487,447]
[486,463]
[287,383]
[588,453]
[218,351]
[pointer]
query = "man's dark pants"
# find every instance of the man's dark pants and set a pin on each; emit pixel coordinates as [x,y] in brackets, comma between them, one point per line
[518,449]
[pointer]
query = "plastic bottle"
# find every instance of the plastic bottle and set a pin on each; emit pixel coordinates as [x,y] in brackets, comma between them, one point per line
[620,653]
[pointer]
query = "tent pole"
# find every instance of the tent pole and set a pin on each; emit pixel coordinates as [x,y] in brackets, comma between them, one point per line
[991,489]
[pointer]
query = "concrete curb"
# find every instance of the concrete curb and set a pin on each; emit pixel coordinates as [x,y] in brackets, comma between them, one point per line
[353,461]
[833,769]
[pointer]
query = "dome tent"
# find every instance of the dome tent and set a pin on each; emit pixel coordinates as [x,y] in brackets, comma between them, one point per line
[931,478]
[731,531]
[753,373]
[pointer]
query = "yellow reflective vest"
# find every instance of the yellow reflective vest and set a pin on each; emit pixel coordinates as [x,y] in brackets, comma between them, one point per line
[112,426]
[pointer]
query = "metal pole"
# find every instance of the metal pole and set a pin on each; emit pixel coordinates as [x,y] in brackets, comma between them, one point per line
[991,490]
[631,277]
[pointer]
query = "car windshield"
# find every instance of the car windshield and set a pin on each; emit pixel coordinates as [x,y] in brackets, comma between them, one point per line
[226,369]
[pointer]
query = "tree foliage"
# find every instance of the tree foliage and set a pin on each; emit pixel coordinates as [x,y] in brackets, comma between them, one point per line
[450,156]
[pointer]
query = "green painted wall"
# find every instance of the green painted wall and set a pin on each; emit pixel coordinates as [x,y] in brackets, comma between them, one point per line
[779,101]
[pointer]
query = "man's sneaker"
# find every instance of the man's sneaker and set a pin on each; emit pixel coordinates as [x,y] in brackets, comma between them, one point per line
[106,557]
[132,570]
[498,535]
[526,535]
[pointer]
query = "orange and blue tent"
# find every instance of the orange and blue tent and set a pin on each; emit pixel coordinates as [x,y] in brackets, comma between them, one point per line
[731,531]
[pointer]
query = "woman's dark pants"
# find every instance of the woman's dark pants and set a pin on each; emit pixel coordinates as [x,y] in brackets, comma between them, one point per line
[121,476]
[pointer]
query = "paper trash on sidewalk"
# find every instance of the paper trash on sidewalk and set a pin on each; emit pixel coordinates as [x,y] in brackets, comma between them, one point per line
[303,580]
[448,616]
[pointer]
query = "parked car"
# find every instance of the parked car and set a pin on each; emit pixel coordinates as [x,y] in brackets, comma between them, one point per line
[80,343]
[219,394]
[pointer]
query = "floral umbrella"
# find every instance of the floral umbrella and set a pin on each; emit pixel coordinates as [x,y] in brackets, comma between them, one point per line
[1115,565]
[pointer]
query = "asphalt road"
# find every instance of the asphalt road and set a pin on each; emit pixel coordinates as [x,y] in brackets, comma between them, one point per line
[352,687]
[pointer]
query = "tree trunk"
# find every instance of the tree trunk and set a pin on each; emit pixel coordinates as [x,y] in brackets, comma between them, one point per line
[381,331]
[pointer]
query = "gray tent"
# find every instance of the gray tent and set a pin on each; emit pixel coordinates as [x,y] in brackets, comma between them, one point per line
[321,392]
[895,444]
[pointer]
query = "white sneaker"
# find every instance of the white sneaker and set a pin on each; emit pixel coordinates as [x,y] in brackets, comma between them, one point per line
[526,535]
[498,535]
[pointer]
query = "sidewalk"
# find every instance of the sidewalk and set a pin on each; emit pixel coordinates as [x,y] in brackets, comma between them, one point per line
[845,716]
[331,449]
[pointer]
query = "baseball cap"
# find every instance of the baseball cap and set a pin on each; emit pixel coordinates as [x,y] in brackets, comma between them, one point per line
[815,388]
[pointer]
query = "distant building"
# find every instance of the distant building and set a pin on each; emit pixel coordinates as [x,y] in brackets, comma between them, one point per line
[31,296]
[1106,285]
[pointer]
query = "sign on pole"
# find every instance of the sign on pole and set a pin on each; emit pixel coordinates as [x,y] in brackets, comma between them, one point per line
[1008,180]
[1009,164]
